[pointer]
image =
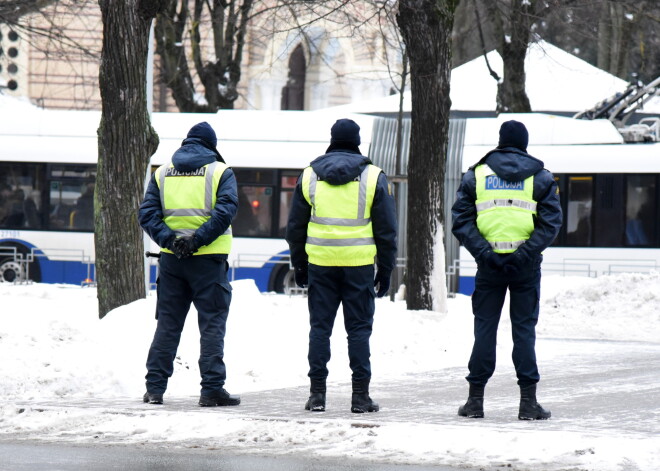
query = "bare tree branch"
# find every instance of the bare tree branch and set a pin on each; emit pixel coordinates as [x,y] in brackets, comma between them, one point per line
[11,11]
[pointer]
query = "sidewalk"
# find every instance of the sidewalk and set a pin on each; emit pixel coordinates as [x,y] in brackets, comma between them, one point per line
[614,392]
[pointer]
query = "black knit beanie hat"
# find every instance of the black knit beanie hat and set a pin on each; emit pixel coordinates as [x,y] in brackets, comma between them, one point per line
[205,132]
[513,134]
[345,131]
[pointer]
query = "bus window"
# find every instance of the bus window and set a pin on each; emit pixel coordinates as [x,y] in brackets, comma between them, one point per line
[82,216]
[641,206]
[71,197]
[254,211]
[578,211]
[20,196]
[287,185]
[608,218]
[255,195]
[245,222]
[62,200]
[560,187]
[256,176]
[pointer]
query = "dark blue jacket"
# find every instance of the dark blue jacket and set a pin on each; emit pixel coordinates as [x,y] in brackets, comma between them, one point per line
[337,167]
[192,155]
[514,165]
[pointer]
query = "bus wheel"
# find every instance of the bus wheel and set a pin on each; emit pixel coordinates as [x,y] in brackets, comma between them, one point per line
[282,280]
[289,281]
[11,270]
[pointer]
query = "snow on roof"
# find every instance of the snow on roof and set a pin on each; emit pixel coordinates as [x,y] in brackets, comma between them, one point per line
[21,118]
[556,81]
[544,129]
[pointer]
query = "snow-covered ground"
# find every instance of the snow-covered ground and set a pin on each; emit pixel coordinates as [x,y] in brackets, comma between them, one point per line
[66,375]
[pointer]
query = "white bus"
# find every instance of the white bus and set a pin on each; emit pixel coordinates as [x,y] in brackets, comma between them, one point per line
[610,191]
[48,168]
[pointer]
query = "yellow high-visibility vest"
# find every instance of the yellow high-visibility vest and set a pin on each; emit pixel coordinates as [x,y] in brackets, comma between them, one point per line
[187,199]
[505,210]
[339,232]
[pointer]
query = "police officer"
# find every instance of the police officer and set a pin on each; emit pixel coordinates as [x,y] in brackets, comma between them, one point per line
[342,216]
[187,210]
[506,213]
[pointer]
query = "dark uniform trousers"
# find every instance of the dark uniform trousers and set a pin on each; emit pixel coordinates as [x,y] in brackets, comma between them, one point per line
[201,280]
[353,287]
[487,302]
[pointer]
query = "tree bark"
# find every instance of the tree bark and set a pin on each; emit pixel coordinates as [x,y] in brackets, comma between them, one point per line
[126,142]
[426,27]
[511,94]
[169,31]
[615,38]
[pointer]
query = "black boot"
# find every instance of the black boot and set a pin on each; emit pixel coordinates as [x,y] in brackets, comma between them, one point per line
[151,398]
[360,401]
[474,407]
[219,398]
[316,401]
[529,408]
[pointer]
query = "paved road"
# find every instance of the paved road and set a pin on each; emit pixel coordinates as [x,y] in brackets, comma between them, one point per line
[16,456]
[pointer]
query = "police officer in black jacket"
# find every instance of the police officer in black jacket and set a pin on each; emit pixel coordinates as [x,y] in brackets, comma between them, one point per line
[342,216]
[187,210]
[507,211]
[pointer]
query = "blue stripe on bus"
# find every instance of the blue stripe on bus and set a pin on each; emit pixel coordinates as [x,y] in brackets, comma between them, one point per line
[54,271]
[466,285]
[76,273]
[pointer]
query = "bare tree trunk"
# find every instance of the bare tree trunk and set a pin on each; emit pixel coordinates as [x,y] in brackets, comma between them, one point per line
[511,94]
[170,30]
[126,142]
[614,38]
[178,36]
[426,27]
[604,34]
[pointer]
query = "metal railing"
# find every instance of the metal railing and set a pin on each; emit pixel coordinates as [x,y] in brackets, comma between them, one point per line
[573,266]
[257,260]
[592,268]
[23,261]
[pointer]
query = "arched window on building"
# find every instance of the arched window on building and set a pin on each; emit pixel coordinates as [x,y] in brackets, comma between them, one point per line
[293,94]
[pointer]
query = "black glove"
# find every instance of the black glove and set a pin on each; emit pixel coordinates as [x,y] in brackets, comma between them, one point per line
[495,261]
[170,244]
[301,276]
[516,262]
[184,247]
[382,282]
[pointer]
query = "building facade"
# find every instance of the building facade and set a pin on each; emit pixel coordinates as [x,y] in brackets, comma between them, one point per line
[54,60]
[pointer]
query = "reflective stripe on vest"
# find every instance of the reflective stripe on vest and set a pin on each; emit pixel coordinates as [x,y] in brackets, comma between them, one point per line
[505,210]
[339,232]
[187,199]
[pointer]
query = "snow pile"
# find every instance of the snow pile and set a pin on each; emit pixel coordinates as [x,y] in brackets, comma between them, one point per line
[54,345]
[618,307]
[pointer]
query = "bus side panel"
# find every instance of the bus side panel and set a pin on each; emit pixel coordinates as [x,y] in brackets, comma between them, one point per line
[54,271]
[466,285]
[260,275]
[153,276]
